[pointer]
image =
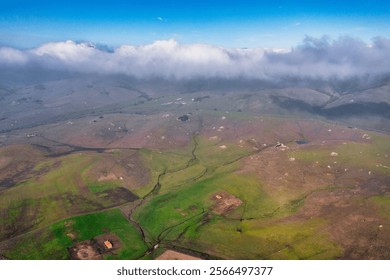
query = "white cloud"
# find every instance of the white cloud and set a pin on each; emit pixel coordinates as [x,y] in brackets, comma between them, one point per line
[314,58]
[12,56]
[67,51]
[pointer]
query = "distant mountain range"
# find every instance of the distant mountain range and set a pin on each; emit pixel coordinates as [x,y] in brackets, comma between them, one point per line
[33,96]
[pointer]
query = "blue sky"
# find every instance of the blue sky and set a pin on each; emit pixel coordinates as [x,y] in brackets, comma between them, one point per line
[245,23]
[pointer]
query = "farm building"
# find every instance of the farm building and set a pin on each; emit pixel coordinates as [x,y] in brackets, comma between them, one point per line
[108,244]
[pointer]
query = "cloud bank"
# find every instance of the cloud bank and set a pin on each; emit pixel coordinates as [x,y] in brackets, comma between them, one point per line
[314,58]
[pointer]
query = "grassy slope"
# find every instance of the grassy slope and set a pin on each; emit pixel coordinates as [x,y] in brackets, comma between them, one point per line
[370,156]
[60,193]
[383,204]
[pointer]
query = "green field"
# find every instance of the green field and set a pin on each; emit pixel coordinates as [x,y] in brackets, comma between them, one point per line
[64,190]
[52,242]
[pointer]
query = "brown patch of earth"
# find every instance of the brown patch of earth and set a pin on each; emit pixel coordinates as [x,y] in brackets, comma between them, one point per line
[124,167]
[85,250]
[94,249]
[4,161]
[71,235]
[174,255]
[108,177]
[224,203]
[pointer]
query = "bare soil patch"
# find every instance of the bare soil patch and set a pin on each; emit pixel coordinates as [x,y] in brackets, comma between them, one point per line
[123,167]
[4,161]
[224,203]
[85,250]
[95,248]
[174,255]
[108,177]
